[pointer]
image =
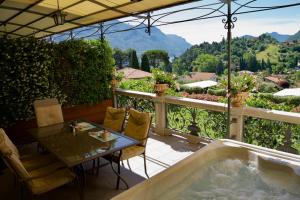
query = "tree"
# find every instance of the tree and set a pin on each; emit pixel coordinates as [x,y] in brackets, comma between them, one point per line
[133,60]
[251,62]
[205,63]
[145,63]
[158,58]
[220,67]
[120,57]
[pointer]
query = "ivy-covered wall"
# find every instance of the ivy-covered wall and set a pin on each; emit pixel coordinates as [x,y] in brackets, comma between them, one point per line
[84,70]
[76,72]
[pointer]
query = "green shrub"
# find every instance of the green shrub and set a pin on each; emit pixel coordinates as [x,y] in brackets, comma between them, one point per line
[298,75]
[25,66]
[142,85]
[217,92]
[75,72]
[267,87]
[191,90]
[84,69]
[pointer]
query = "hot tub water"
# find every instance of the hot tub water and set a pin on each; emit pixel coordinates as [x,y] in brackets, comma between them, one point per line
[230,179]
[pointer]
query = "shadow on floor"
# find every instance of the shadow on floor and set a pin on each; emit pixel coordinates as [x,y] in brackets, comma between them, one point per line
[100,187]
[177,143]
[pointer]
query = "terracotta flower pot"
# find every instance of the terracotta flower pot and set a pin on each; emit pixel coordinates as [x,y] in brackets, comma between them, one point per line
[160,89]
[114,84]
[239,99]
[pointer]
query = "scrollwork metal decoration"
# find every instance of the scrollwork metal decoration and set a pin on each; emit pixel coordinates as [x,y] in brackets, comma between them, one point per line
[229,22]
[148,29]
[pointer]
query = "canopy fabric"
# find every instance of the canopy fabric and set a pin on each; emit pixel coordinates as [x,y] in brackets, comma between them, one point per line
[22,18]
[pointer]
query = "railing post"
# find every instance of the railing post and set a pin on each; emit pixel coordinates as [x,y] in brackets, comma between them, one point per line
[161,115]
[115,99]
[237,124]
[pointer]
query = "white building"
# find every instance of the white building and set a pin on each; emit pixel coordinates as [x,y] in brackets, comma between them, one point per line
[289,92]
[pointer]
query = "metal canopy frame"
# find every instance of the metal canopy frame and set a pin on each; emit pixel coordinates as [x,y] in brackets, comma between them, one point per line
[208,9]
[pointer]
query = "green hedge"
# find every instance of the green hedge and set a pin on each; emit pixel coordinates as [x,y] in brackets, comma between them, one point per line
[191,90]
[84,70]
[217,92]
[269,101]
[75,72]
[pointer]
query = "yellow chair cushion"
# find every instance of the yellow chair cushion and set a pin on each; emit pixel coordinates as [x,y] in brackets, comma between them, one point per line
[132,152]
[5,150]
[138,125]
[46,170]
[17,166]
[114,118]
[48,112]
[50,182]
[32,162]
[6,144]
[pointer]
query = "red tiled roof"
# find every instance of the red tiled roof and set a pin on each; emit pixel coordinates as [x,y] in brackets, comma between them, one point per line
[198,76]
[274,79]
[131,73]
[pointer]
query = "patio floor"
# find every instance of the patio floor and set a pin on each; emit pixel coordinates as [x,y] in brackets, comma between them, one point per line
[162,152]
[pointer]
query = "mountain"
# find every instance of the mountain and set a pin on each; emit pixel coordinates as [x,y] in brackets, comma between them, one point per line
[279,37]
[138,39]
[141,41]
[248,37]
[296,36]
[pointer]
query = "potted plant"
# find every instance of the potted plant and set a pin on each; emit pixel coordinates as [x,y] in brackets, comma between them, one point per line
[240,86]
[117,78]
[162,81]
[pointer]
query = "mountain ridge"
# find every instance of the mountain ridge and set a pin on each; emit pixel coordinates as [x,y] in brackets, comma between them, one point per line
[279,37]
[138,39]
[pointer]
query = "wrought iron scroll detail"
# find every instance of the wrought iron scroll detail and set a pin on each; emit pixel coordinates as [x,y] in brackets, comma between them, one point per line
[148,29]
[229,22]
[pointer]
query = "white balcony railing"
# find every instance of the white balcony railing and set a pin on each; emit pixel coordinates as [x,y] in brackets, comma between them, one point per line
[160,105]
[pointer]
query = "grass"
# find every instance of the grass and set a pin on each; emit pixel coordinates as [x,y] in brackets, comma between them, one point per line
[272,53]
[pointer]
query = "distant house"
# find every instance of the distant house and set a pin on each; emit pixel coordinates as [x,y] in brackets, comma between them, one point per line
[278,80]
[131,73]
[201,84]
[289,92]
[246,72]
[198,76]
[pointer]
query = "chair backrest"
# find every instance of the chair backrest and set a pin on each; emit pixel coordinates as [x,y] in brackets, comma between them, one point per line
[11,159]
[138,125]
[7,143]
[48,112]
[114,118]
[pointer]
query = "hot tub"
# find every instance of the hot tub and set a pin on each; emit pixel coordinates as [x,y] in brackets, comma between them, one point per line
[224,169]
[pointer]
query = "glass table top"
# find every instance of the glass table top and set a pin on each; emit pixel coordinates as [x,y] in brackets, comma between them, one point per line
[74,149]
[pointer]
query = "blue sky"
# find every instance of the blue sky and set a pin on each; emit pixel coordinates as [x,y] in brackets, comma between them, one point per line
[284,21]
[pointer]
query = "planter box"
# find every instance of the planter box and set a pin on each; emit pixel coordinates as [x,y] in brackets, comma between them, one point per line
[94,113]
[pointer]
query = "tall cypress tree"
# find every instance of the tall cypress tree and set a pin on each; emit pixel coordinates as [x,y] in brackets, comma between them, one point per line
[134,62]
[145,63]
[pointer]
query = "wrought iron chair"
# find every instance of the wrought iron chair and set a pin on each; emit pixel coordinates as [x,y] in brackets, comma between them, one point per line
[39,180]
[114,120]
[137,127]
[30,161]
